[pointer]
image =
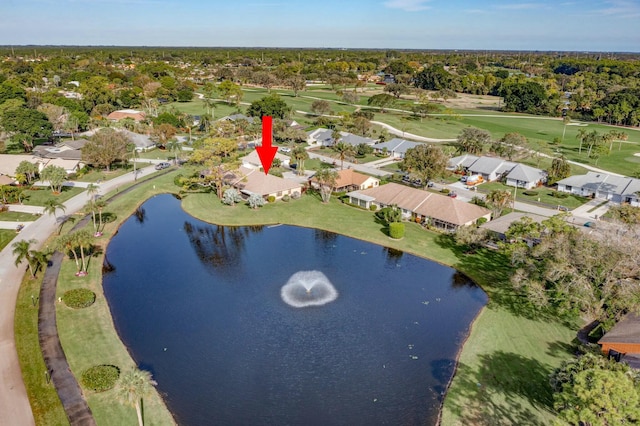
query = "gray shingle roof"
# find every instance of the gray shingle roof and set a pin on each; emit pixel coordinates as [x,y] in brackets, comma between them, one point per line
[603,182]
[324,137]
[397,145]
[526,173]
[489,165]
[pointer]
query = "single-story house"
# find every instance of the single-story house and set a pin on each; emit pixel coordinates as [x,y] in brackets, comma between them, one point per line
[6,180]
[527,177]
[253,181]
[623,340]
[396,147]
[126,113]
[438,210]
[500,225]
[236,117]
[602,185]
[252,160]
[493,168]
[350,180]
[324,137]
[142,142]
[70,166]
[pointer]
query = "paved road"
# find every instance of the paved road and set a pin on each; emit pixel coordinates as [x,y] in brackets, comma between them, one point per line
[14,404]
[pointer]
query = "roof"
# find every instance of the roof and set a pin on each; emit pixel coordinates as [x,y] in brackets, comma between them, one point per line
[74,144]
[397,145]
[501,224]
[348,177]
[6,180]
[126,113]
[489,165]
[462,161]
[140,141]
[9,162]
[325,137]
[436,206]
[256,182]
[627,330]
[65,164]
[57,152]
[526,173]
[234,117]
[596,181]
[254,159]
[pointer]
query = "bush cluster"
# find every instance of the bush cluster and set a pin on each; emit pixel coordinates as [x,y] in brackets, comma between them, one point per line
[271,199]
[559,194]
[79,298]
[530,193]
[100,378]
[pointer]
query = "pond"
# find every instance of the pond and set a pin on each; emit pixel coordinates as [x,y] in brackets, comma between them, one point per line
[283,325]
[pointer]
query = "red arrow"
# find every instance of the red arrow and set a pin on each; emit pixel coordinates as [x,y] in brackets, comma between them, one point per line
[266,152]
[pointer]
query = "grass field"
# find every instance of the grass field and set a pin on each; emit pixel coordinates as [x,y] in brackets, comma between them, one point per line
[17,217]
[542,195]
[37,196]
[6,235]
[540,131]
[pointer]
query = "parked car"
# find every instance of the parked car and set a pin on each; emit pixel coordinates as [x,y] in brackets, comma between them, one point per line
[463,179]
[285,149]
[162,165]
[430,185]
[590,224]
[453,194]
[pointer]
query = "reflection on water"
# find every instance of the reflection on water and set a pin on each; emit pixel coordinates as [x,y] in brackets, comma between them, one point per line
[200,306]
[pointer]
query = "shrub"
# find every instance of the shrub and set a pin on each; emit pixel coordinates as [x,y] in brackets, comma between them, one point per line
[445,190]
[100,378]
[558,194]
[286,198]
[255,201]
[396,230]
[295,195]
[481,220]
[530,193]
[373,207]
[79,298]
[231,196]
[178,180]
[72,176]
[271,199]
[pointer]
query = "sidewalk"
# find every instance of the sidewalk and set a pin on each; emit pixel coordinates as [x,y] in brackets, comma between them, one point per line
[14,403]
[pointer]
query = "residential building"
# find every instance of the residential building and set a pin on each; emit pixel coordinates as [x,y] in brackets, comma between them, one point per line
[396,147]
[494,168]
[253,181]
[350,180]
[602,185]
[252,160]
[324,137]
[438,210]
[623,340]
[126,113]
[527,177]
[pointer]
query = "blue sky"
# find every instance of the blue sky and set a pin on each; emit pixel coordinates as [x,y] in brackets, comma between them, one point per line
[587,25]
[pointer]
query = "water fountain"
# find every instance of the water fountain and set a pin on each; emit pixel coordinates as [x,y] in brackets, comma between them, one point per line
[308,288]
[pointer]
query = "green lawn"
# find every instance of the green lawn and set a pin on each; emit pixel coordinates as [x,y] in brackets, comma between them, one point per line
[6,235]
[17,217]
[543,195]
[510,351]
[37,196]
[45,404]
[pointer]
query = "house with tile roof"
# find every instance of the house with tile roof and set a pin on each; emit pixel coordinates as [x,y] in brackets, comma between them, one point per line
[253,181]
[252,160]
[602,185]
[126,113]
[438,210]
[350,180]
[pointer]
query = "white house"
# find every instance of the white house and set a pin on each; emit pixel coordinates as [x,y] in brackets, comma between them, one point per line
[602,185]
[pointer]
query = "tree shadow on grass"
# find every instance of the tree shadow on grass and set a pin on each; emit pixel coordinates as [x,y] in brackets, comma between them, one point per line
[492,270]
[493,393]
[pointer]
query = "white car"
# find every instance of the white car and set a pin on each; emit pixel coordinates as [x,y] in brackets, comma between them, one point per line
[285,149]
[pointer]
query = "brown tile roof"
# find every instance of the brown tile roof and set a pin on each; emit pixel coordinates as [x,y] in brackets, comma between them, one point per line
[627,330]
[255,181]
[436,206]
[350,177]
[126,113]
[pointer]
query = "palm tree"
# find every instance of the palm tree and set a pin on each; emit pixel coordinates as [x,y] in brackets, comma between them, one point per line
[22,251]
[92,191]
[582,133]
[344,150]
[52,205]
[327,179]
[100,205]
[499,200]
[90,207]
[336,136]
[300,154]
[66,245]
[132,387]
[83,240]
